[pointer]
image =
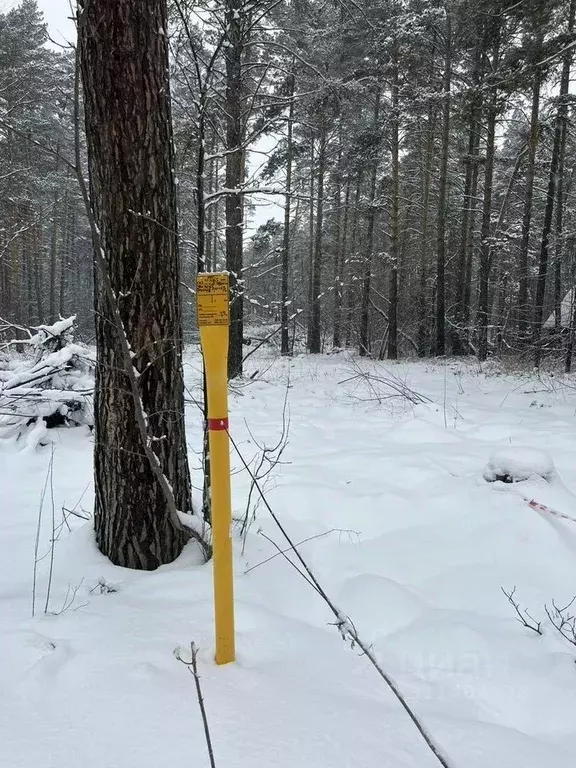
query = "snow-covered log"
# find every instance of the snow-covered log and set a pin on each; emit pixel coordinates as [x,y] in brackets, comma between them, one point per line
[48,385]
[514,464]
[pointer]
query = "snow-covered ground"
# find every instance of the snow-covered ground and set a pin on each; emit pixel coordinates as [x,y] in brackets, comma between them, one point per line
[417,547]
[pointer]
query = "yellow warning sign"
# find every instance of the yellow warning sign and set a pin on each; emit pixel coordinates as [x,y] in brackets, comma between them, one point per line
[212,294]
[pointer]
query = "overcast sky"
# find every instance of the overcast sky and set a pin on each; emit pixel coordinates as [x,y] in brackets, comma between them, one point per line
[56,14]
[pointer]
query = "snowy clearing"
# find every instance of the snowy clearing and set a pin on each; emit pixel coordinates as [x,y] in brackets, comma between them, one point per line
[401,529]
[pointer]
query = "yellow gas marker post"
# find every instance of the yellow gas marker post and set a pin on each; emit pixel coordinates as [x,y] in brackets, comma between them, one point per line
[212,293]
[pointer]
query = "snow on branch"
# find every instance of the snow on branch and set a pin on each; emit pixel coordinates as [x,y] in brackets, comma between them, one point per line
[48,383]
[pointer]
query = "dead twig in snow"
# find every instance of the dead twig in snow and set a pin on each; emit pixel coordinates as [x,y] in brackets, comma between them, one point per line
[69,600]
[384,387]
[193,668]
[524,617]
[53,537]
[303,541]
[269,458]
[37,539]
[103,587]
[563,621]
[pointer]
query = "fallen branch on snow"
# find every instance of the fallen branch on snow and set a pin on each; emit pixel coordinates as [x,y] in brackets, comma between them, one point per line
[384,387]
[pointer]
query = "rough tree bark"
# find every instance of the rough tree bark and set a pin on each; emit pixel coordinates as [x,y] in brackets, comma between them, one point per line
[124,61]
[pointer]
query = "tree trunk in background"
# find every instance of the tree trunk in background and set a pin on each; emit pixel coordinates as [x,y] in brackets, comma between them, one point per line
[469,248]
[460,336]
[65,254]
[394,213]
[201,265]
[54,251]
[570,346]
[486,229]
[440,347]
[234,15]
[424,218]
[66,260]
[38,258]
[350,292]
[337,224]
[563,114]
[284,298]
[27,271]
[311,206]
[571,244]
[364,339]
[15,262]
[131,166]
[314,323]
[558,148]
[523,262]
[213,211]
[340,270]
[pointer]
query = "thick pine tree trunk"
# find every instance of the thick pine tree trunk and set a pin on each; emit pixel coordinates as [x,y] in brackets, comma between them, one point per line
[124,56]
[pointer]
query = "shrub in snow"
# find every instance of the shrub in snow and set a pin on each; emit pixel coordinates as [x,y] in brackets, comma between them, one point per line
[513,465]
[48,385]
